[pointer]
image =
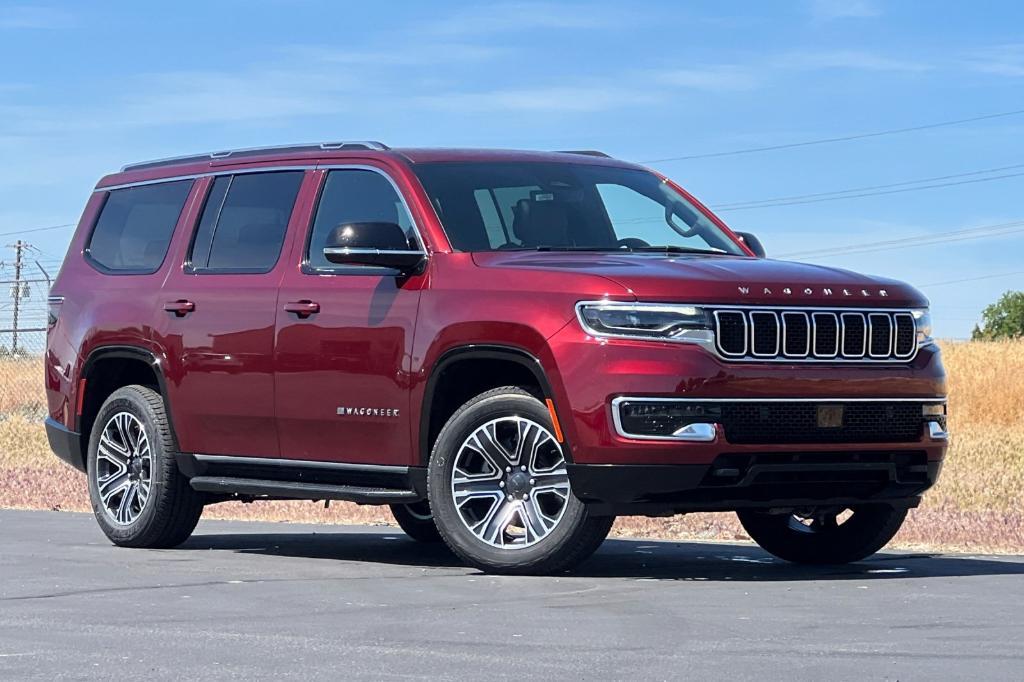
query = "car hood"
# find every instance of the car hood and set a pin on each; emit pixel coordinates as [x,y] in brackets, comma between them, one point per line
[719,279]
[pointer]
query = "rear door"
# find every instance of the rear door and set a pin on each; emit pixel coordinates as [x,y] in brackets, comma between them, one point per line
[343,360]
[219,311]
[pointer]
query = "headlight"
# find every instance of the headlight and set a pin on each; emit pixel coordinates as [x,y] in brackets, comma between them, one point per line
[645,320]
[923,321]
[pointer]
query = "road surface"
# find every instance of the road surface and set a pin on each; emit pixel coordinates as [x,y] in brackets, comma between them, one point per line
[257,600]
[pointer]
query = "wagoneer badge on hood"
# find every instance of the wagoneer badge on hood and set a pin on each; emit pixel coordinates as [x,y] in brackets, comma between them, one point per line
[825,291]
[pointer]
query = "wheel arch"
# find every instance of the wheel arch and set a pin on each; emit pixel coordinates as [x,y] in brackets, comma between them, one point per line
[435,411]
[107,369]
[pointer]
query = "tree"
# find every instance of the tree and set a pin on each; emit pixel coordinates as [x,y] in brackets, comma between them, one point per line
[1004,319]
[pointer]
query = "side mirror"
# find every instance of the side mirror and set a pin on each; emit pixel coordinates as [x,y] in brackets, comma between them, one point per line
[753,243]
[373,243]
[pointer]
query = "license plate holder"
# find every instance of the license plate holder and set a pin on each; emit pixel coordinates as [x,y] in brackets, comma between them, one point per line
[830,416]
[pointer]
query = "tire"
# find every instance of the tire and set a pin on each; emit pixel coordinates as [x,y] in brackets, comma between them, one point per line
[131,419]
[555,530]
[825,540]
[417,521]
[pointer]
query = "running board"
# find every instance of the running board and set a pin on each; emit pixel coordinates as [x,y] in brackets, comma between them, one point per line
[249,487]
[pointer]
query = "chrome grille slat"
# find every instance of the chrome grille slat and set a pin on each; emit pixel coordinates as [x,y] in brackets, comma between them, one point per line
[760,334]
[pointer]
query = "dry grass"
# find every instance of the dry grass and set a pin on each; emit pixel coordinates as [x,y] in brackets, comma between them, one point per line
[978,504]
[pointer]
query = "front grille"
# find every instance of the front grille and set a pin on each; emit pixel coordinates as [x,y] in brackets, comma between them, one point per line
[802,422]
[784,334]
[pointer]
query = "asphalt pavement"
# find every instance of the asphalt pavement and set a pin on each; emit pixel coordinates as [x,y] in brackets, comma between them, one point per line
[260,601]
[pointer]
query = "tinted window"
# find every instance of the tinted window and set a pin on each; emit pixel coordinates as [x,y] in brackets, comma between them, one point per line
[572,206]
[355,196]
[135,226]
[244,222]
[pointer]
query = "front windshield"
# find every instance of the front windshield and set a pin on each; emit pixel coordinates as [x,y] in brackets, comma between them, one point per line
[565,206]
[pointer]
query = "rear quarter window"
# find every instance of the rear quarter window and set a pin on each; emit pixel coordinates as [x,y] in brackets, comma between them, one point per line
[135,226]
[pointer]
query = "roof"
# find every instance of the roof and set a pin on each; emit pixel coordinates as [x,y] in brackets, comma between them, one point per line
[200,164]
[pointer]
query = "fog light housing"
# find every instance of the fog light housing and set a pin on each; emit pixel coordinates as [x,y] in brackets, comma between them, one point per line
[666,419]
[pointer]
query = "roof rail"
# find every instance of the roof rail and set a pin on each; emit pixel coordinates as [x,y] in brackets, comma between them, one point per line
[584,152]
[256,151]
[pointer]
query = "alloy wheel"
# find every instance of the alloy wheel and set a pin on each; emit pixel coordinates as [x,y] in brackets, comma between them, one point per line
[124,468]
[509,482]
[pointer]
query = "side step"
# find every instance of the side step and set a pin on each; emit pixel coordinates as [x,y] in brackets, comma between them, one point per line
[302,491]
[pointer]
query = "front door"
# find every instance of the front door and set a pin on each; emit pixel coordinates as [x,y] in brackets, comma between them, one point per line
[219,313]
[344,335]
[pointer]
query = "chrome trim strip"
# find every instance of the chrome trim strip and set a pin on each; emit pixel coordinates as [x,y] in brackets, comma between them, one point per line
[831,399]
[753,333]
[814,335]
[196,176]
[807,321]
[697,432]
[344,250]
[312,464]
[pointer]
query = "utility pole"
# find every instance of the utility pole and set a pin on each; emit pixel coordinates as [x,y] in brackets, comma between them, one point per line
[19,247]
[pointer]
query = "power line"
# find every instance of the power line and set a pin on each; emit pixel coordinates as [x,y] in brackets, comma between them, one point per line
[874,194]
[973,279]
[794,198]
[979,232]
[843,138]
[36,229]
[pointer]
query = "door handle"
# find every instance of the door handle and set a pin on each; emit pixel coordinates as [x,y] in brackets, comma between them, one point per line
[302,309]
[180,308]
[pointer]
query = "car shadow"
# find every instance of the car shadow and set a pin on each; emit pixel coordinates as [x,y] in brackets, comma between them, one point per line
[618,558]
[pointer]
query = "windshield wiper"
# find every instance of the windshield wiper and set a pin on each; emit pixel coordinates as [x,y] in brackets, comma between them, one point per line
[602,249]
[671,248]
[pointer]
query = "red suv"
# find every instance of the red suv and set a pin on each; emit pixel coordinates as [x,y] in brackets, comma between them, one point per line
[509,348]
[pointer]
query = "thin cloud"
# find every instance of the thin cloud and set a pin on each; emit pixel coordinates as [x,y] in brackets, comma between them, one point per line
[831,10]
[999,60]
[523,16]
[34,17]
[855,60]
[555,99]
[414,54]
[710,78]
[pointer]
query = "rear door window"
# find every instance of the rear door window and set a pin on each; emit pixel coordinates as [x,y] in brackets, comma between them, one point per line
[135,227]
[244,221]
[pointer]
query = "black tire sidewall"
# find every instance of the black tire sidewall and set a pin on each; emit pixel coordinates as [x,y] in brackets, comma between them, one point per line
[471,416]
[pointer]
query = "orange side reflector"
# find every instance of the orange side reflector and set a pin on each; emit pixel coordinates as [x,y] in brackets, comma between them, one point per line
[81,397]
[554,421]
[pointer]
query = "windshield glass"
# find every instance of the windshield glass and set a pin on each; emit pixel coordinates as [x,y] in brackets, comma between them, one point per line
[565,206]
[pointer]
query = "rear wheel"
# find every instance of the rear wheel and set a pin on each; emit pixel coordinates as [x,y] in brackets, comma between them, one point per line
[824,535]
[139,497]
[417,521]
[500,490]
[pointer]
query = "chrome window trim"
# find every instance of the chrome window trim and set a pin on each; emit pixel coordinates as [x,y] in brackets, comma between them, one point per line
[807,321]
[299,167]
[871,326]
[753,333]
[842,333]
[814,335]
[746,332]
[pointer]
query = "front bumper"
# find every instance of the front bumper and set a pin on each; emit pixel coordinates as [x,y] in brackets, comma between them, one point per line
[770,480]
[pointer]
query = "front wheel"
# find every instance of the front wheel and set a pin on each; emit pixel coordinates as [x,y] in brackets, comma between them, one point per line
[500,490]
[824,535]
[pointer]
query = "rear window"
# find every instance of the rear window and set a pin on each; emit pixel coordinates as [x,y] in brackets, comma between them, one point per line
[135,227]
[244,222]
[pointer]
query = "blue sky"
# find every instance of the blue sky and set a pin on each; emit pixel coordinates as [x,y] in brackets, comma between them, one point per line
[84,90]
